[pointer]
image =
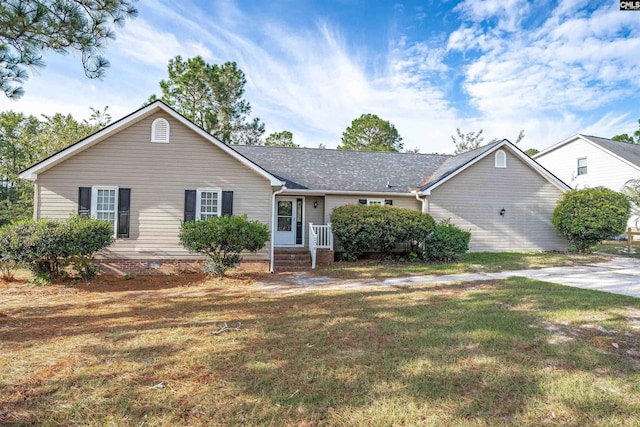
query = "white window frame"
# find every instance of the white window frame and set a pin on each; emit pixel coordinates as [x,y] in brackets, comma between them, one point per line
[154,125]
[586,166]
[94,203]
[199,192]
[375,202]
[500,159]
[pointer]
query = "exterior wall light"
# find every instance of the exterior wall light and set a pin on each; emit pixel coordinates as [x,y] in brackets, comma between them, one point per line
[503,211]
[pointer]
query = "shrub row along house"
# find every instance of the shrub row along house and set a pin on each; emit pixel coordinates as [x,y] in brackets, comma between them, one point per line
[153,169]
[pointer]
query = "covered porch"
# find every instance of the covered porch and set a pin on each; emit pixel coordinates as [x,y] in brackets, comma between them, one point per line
[301,232]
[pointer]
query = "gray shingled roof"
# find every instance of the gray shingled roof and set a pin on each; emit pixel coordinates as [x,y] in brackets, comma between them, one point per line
[454,163]
[344,170]
[626,150]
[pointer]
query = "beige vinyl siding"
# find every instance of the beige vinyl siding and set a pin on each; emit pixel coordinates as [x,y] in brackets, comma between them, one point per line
[399,201]
[473,200]
[158,174]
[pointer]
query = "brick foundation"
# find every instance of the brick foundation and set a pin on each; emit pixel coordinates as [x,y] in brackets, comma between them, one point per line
[324,257]
[164,266]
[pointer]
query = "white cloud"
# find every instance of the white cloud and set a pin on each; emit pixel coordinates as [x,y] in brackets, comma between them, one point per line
[545,79]
[550,80]
[147,45]
[508,13]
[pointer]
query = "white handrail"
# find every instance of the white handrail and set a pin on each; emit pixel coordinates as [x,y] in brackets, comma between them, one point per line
[320,236]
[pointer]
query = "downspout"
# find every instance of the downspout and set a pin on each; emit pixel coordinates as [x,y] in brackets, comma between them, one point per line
[36,200]
[273,225]
[424,202]
[424,211]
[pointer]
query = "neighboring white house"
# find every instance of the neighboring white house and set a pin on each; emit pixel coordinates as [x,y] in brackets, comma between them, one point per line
[585,161]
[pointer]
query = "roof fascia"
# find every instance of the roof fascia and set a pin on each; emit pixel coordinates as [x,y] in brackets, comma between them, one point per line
[345,193]
[559,144]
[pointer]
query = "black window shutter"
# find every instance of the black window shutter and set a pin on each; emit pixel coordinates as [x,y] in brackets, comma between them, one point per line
[124,216]
[388,202]
[189,205]
[227,203]
[84,201]
[362,201]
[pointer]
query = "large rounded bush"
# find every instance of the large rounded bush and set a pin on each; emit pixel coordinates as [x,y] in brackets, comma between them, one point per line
[362,228]
[447,243]
[587,217]
[222,238]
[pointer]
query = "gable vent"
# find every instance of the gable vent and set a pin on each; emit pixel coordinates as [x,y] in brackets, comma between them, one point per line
[501,159]
[160,131]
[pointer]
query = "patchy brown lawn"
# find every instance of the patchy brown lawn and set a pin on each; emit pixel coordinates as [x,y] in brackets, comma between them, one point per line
[143,352]
[472,262]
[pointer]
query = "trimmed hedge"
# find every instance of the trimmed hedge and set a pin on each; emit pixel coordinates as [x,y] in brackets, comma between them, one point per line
[48,246]
[447,243]
[362,228]
[222,238]
[587,217]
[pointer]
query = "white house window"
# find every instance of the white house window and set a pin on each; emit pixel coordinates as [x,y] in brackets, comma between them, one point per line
[375,202]
[208,203]
[582,166]
[501,159]
[160,131]
[104,202]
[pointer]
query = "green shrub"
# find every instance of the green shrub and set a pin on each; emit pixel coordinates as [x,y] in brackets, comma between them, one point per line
[222,238]
[587,217]
[362,228]
[88,237]
[13,251]
[48,246]
[447,242]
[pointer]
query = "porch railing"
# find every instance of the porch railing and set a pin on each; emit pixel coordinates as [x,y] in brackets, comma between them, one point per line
[320,236]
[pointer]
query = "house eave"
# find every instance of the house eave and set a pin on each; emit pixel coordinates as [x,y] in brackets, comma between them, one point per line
[293,191]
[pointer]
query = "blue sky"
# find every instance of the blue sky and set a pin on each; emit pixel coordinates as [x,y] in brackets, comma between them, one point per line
[552,68]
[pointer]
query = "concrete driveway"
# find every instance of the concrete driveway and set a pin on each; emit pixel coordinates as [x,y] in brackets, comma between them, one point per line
[618,276]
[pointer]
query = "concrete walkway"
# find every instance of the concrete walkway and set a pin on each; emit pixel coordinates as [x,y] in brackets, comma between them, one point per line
[618,276]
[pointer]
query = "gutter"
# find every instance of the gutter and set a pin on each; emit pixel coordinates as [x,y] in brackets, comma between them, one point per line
[294,191]
[273,226]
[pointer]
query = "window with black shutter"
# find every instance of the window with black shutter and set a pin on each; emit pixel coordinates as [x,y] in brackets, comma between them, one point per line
[227,203]
[189,205]
[124,215]
[84,201]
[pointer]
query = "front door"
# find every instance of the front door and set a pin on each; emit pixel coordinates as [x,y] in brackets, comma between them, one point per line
[286,220]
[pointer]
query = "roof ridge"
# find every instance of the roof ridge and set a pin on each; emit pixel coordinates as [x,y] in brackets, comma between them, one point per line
[271,147]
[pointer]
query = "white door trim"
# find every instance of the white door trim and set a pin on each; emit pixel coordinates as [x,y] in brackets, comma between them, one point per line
[294,202]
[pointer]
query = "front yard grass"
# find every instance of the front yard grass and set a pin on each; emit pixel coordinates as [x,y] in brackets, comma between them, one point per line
[473,262]
[618,248]
[142,352]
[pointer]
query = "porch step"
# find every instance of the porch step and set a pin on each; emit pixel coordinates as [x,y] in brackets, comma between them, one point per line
[291,259]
